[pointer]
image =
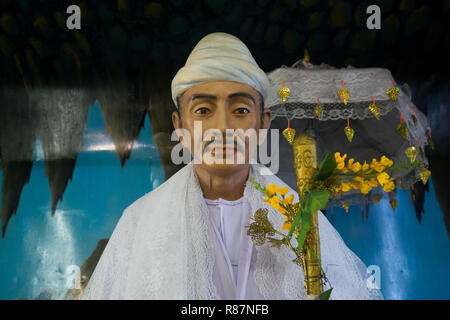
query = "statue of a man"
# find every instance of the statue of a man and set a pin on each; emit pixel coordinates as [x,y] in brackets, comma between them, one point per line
[188,239]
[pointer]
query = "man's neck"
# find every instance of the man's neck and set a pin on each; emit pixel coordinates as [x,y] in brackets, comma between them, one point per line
[227,185]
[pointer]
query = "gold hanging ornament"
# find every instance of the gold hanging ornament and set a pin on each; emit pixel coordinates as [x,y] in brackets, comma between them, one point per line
[413,117]
[376,198]
[289,133]
[411,152]
[375,109]
[344,94]
[393,92]
[345,205]
[402,128]
[319,109]
[349,132]
[284,93]
[424,174]
[393,203]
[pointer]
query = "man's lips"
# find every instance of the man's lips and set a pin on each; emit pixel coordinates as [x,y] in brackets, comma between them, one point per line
[228,148]
[212,147]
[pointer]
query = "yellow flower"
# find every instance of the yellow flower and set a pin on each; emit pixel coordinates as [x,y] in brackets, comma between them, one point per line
[338,157]
[337,189]
[288,201]
[281,209]
[373,182]
[383,178]
[377,166]
[365,166]
[389,186]
[340,161]
[365,188]
[286,226]
[271,189]
[386,161]
[346,187]
[356,182]
[355,167]
[282,190]
[274,202]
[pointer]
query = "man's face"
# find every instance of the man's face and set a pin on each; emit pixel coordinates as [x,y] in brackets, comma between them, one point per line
[218,106]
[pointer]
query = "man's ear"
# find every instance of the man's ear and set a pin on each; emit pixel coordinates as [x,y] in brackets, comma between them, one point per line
[266,118]
[176,121]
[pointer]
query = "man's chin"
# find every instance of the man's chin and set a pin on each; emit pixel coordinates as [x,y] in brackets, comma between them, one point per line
[223,167]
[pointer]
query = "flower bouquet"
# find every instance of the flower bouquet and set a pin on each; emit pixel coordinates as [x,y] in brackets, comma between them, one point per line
[331,179]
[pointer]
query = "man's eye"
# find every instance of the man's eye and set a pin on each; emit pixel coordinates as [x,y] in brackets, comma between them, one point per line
[241,111]
[202,111]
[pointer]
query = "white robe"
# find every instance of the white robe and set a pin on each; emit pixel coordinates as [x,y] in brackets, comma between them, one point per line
[165,247]
[236,249]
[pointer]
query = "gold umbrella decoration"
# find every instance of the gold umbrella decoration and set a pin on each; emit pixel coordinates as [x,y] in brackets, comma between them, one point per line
[382,151]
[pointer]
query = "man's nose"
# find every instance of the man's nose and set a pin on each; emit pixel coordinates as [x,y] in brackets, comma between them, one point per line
[223,120]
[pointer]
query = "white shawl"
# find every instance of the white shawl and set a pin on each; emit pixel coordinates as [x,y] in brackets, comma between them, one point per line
[161,249]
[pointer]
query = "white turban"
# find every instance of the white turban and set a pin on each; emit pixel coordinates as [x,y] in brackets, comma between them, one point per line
[219,57]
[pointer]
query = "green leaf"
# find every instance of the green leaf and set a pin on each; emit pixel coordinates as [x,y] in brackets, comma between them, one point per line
[318,200]
[306,218]
[326,168]
[315,200]
[325,295]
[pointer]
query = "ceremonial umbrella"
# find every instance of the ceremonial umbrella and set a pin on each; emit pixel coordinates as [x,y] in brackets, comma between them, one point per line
[362,112]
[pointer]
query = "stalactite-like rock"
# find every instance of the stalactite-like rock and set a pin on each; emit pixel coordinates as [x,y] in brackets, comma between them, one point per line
[17,144]
[123,102]
[160,109]
[63,115]
[15,175]
[59,172]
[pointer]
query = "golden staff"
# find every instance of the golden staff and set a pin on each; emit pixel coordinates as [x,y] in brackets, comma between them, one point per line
[305,164]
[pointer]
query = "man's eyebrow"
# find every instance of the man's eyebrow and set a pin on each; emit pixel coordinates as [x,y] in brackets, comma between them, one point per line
[233,95]
[200,96]
[242,94]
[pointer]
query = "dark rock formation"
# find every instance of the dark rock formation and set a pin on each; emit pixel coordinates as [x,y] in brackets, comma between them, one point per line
[123,101]
[62,118]
[17,127]
[160,108]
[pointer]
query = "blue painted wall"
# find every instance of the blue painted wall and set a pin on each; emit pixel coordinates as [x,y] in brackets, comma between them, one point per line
[414,259]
